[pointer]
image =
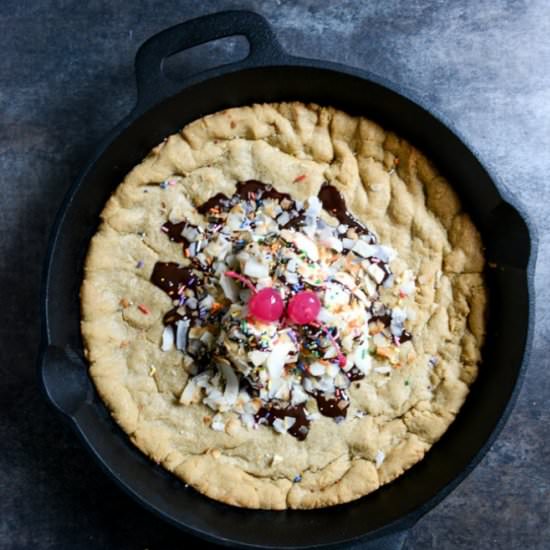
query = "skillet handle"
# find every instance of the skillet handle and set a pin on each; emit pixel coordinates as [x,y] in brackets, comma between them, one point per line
[152,83]
[64,379]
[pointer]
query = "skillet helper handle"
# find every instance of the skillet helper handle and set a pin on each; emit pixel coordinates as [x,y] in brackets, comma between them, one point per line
[64,379]
[153,85]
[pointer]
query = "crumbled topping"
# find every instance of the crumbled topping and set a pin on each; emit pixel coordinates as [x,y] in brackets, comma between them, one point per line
[273,373]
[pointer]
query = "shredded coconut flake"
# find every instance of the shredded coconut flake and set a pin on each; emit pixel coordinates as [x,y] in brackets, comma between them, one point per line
[217,423]
[376,273]
[167,338]
[231,383]
[182,327]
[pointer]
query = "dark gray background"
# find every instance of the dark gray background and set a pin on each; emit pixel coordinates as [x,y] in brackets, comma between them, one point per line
[66,77]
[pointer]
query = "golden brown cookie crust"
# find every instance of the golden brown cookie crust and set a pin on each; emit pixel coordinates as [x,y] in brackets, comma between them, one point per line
[390,186]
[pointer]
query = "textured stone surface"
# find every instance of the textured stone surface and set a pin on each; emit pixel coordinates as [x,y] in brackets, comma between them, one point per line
[66,77]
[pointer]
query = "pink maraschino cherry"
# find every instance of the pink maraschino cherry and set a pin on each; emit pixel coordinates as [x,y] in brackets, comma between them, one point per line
[303,307]
[266,305]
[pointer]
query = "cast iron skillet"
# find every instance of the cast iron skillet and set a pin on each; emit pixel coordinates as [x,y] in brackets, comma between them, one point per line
[378,520]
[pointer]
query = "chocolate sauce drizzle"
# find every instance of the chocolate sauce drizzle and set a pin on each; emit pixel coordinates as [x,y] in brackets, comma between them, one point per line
[333,407]
[354,374]
[260,190]
[217,201]
[170,277]
[172,317]
[246,190]
[295,222]
[270,413]
[334,203]
[383,317]
[173,230]
[406,336]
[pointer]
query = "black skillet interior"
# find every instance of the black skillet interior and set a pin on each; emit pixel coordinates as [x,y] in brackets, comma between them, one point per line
[268,74]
